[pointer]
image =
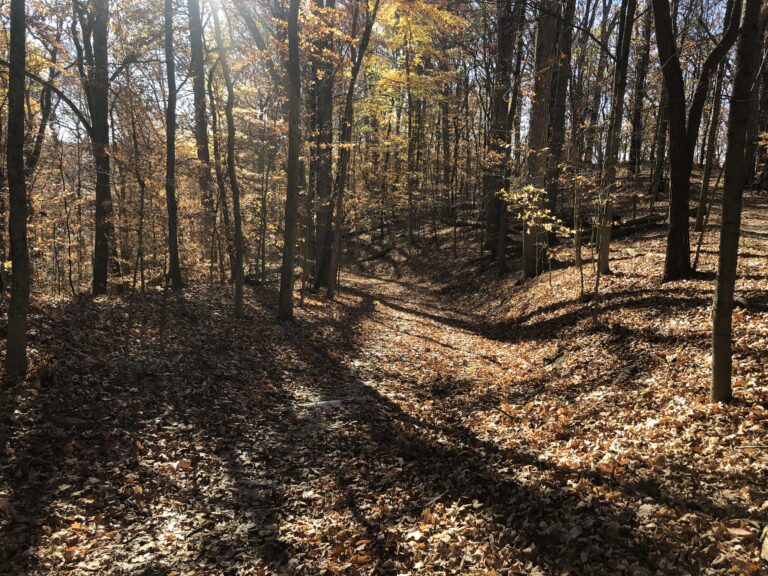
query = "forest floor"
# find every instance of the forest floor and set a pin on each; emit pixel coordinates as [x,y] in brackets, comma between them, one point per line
[430,421]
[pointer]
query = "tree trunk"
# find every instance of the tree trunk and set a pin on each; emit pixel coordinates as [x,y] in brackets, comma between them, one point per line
[534,237]
[324,163]
[197,71]
[345,142]
[174,270]
[231,165]
[293,88]
[614,130]
[16,349]
[714,122]
[641,71]
[495,172]
[747,61]
[98,91]
[683,132]
[557,124]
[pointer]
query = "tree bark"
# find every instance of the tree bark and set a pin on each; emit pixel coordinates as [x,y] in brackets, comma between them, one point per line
[16,349]
[93,63]
[197,71]
[231,164]
[324,159]
[747,61]
[614,131]
[345,142]
[496,169]
[683,132]
[557,124]
[293,88]
[174,269]
[641,71]
[534,237]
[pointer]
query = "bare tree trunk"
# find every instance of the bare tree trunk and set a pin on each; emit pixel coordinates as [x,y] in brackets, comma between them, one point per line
[557,124]
[324,162]
[683,132]
[93,64]
[709,160]
[231,165]
[197,71]
[496,170]
[345,143]
[747,62]
[614,131]
[16,349]
[641,71]
[293,88]
[174,270]
[534,237]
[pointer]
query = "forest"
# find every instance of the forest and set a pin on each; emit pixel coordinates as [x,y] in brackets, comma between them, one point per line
[384,287]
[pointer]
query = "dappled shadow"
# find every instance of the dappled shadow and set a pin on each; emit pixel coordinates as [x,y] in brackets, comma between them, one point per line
[207,392]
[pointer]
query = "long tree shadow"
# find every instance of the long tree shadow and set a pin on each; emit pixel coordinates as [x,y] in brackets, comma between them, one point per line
[160,411]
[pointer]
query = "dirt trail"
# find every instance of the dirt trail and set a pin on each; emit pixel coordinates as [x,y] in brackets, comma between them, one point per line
[509,430]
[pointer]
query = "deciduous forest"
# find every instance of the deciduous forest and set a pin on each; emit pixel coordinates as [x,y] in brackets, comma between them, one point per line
[384,287]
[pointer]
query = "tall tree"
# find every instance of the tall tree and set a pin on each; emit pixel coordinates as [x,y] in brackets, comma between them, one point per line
[174,269]
[747,62]
[197,72]
[16,350]
[231,162]
[92,45]
[293,88]
[560,91]
[613,139]
[345,139]
[323,173]
[496,169]
[683,132]
[534,237]
[638,93]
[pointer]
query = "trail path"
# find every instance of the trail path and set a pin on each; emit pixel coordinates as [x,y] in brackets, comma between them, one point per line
[396,431]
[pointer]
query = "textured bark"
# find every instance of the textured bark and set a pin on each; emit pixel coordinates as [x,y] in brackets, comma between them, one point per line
[747,61]
[557,123]
[638,95]
[293,88]
[324,159]
[197,72]
[93,67]
[16,348]
[683,132]
[534,237]
[614,130]
[495,172]
[231,164]
[174,268]
[709,159]
[345,141]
